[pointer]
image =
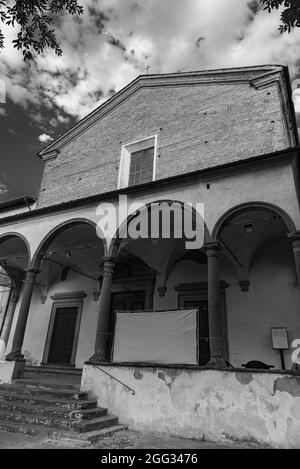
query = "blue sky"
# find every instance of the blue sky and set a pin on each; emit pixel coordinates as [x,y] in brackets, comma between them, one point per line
[110,45]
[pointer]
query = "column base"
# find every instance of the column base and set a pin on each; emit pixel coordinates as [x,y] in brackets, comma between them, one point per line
[15,357]
[10,370]
[97,358]
[217,362]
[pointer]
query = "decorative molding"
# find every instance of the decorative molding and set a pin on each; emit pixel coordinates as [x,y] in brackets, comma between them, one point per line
[73,295]
[43,299]
[198,287]
[131,283]
[266,80]
[50,155]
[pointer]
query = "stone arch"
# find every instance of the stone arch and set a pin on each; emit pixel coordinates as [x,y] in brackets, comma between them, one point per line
[12,234]
[56,231]
[116,238]
[238,209]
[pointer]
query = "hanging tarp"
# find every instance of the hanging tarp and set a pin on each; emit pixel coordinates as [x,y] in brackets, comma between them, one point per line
[167,337]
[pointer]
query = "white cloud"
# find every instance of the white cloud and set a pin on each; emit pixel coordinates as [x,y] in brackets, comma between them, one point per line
[112,44]
[45,138]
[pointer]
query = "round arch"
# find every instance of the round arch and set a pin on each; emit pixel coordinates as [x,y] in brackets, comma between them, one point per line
[12,234]
[143,208]
[56,231]
[239,209]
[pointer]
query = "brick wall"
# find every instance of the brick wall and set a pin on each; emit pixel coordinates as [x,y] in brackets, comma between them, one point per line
[198,126]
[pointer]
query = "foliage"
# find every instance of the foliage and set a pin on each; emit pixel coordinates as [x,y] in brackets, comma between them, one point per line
[290,16]
[35,20]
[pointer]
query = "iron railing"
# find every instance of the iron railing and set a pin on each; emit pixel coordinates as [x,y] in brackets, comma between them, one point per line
[113,377]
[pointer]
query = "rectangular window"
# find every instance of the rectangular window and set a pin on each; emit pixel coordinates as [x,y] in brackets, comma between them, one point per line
[141,166]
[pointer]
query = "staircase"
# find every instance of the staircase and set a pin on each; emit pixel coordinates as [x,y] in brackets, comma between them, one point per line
[50,404]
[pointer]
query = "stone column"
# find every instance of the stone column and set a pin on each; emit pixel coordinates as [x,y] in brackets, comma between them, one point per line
[295,242]
[16,352]
[7,323]
[104,312]
[214,314]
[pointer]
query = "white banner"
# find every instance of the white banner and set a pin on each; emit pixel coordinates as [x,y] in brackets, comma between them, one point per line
[168,337]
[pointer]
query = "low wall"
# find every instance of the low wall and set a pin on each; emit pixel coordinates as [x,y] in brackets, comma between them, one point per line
[10,371]
[202,403]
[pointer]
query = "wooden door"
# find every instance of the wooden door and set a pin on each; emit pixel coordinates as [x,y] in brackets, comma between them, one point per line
[63,335]
[203,333]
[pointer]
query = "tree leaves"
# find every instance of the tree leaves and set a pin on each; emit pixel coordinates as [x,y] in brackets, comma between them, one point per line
[36,20]
[290,17]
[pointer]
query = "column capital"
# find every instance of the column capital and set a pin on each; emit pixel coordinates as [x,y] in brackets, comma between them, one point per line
[108,266]
[294,237]
[34,270]
[109,259]
[212,246]
[31,274]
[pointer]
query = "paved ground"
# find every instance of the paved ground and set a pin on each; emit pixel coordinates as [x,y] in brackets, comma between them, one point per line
[121,440]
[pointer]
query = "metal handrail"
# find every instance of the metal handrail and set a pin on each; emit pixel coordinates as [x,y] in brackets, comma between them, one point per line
[123,384]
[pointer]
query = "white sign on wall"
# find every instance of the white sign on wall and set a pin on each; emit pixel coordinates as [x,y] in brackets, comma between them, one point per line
[280,338]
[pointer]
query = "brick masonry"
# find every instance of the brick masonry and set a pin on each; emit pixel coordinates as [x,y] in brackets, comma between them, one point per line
[198,126]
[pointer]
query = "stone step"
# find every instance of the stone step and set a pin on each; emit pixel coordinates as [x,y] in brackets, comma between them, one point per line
[46,383]
[54,370]
[48,401]
[83,426]
[40,391]
[57,377]
[97,435]
[76,425]
[56,412]
[42,431]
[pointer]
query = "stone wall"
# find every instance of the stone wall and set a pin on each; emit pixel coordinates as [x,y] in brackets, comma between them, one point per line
[202,404]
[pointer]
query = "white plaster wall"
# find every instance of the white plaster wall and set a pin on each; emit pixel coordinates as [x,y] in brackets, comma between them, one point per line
[272,184]
[198,404]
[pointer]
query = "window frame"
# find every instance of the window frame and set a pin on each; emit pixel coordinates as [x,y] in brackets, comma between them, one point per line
[127,150]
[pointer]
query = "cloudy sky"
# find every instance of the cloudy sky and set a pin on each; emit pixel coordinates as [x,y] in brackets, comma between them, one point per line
[110,45]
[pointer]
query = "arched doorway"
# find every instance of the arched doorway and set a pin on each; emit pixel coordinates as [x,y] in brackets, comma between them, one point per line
[61,306]
[155,252]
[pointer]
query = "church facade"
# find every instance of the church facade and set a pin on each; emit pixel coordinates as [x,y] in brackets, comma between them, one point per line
[223,139]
